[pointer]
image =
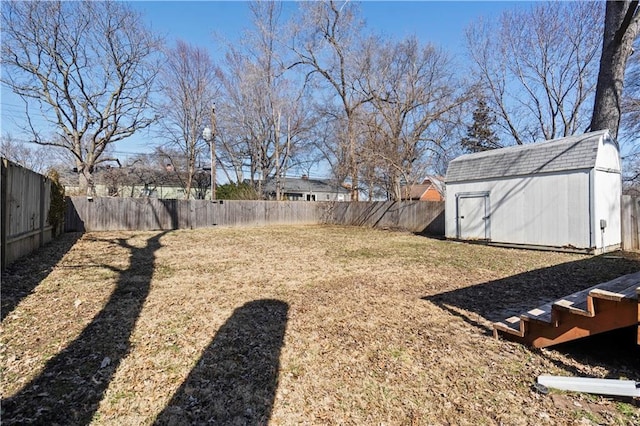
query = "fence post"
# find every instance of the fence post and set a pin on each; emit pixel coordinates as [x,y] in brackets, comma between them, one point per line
[635,222]
[4,212]
[42,208]
[629,210]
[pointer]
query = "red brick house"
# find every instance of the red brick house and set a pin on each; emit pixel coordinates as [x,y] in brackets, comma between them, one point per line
[431,189]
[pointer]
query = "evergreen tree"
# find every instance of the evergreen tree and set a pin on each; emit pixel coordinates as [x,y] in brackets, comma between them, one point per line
[480,135]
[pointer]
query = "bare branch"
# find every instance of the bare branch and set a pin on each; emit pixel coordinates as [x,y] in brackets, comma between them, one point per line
[89,68]
[537,67]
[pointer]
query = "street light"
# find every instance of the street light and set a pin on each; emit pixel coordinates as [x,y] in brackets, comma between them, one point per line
[209,135]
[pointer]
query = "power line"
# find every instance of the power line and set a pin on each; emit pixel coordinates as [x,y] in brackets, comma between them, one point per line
[4,102]
[128,154]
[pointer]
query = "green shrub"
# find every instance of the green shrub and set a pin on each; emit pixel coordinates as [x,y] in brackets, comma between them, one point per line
[57,207]
[236,191]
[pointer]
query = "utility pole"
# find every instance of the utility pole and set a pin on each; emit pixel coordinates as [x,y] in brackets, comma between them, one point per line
[213,152]
[209,135]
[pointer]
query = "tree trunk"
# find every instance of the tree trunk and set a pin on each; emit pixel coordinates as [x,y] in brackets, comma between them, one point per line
[355,194]
[276,138]
[622,23]
[191,171]
[85,181]
[353,166]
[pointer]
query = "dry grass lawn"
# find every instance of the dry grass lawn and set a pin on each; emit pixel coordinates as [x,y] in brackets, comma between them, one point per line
[295,325]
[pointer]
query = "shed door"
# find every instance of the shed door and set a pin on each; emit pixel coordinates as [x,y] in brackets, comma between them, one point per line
[473,216]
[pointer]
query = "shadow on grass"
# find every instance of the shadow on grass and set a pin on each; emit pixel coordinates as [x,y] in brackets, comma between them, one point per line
[499,299]
[72,384]
[616,351]
[22,277]
[235,380]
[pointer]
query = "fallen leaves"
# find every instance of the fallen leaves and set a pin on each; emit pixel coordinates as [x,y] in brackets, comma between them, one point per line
[380,327]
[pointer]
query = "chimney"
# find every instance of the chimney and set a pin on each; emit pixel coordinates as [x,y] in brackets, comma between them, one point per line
[305,177]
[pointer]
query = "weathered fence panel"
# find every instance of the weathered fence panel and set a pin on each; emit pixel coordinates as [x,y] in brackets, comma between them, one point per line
[26,198]
[630,212]
[415,216]
[115,214]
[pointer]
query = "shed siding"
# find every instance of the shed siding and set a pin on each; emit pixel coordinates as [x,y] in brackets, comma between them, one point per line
[552,193]
[607,192]
[608,157]
[547,210]
[607,195]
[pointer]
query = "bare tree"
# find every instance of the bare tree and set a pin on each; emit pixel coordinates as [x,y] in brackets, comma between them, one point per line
[143,174]
[414,95]
[245,119]
[86,67]
[30,157]
[538,67]
[175,166]
[328,137]
[630,120]
[328,43]
[621,28]
[189,86]
[630,123]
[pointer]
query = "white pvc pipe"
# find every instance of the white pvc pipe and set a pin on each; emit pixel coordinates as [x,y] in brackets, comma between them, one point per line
[589,385]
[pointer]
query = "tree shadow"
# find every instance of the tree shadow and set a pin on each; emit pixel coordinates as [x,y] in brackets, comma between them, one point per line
[72,384]
[435,228]
[235,380]
[23,276]
[72,219]
[482,304]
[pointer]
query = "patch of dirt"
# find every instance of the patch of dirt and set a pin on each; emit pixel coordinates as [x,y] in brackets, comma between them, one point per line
[295,325]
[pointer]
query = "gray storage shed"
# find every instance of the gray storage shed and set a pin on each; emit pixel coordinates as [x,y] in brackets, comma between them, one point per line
[561,193]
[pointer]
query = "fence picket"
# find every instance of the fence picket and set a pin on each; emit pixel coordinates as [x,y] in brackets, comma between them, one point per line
[630,212]
[115,214]
[26,198]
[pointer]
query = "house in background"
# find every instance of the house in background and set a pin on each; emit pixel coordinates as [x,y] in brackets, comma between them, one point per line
[431,189]
[139,182]
[562,193]
[307,189]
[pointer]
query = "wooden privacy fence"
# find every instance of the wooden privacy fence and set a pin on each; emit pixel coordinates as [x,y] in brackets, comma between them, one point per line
[26,199]
[415,216]
[630,212]
[115,214]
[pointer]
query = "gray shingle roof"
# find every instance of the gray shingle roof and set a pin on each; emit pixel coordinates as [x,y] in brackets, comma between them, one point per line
[570,153]
[306,185]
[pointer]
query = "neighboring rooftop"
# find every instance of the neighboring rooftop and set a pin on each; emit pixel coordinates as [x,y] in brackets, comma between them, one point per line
[416,191]
[569,153]
[304,185]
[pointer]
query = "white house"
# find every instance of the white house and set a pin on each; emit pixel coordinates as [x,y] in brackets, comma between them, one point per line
[562,193]
[307,189]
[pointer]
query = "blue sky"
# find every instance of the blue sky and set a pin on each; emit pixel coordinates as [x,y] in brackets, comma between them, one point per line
[439,22]
[204,23]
